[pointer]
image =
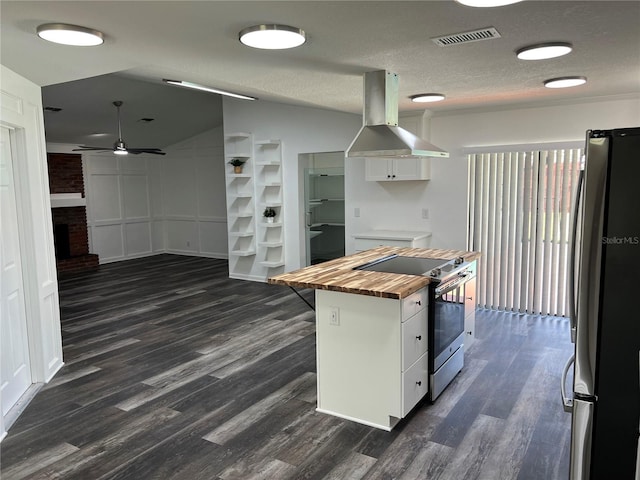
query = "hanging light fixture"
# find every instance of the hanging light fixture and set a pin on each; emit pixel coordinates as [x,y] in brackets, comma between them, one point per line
[70,35]
[565,82]
[543,51]
[272,37]
[427,97]
[487,3]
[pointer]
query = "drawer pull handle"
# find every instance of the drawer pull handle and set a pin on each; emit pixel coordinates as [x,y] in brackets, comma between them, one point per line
[419,337]
[419,383]
[469,298]
[419,302]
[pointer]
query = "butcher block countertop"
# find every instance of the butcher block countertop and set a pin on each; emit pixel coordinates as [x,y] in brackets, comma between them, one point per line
[338,275]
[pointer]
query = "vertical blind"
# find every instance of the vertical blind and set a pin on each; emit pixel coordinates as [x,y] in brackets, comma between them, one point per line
[520,207]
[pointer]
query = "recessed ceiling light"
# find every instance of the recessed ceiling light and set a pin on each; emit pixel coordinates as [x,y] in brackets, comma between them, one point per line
[487,3]
[70,35]
[427,97]
[543,51]
[196,86]
[565,82]
[272,37]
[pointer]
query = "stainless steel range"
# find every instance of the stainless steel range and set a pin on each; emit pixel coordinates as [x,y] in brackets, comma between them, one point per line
[446,310]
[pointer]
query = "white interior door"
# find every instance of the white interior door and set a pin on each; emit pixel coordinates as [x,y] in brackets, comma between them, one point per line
[15,371]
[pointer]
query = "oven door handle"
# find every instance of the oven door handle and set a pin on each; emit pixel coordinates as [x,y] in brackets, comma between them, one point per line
[448,287]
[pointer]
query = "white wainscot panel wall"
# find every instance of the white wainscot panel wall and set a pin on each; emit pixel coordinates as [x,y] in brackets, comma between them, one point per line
[138,238]
[108,242]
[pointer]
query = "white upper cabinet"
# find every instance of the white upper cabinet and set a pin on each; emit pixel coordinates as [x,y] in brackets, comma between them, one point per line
[386,170]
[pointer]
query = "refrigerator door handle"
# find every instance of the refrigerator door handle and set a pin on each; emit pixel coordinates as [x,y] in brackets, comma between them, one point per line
[572,258]
[567,403]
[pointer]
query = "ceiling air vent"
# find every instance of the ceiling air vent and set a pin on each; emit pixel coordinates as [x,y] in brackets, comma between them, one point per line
[467,37]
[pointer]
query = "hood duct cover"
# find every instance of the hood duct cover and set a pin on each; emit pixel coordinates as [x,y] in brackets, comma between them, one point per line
[380,135]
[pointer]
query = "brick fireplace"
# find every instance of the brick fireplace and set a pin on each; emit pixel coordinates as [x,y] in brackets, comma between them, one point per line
[69,214]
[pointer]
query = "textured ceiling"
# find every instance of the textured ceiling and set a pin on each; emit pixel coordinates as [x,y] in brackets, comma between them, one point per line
[197,41]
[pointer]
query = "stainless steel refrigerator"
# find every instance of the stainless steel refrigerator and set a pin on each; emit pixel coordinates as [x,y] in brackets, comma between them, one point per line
[605,323]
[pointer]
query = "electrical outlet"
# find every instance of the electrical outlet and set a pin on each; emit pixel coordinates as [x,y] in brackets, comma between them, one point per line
[334,316]
[356,212]
[425,213]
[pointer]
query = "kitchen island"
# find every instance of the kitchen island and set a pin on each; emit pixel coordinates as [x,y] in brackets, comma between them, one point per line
[371,334]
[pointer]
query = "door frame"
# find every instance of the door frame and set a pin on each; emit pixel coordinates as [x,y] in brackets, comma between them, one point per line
[21,111]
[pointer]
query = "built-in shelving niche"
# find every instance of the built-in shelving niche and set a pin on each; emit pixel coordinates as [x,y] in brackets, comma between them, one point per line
[269,194]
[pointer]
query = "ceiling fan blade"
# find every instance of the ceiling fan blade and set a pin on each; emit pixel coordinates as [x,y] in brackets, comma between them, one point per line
[86,147]
[154,151]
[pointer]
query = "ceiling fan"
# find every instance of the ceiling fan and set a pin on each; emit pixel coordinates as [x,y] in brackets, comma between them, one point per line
[119,147]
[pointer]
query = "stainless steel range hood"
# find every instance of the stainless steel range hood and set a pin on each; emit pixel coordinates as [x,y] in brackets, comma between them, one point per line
[380,135]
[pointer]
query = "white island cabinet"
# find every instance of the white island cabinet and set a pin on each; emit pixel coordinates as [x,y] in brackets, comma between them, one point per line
[371,355]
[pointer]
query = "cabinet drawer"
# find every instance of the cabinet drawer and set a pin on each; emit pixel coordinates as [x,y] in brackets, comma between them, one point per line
[414,303]
[367,243]
[414,339]
[415,384]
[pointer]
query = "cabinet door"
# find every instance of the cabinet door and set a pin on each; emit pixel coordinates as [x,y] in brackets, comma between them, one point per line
[377,170]
[411,169]
[470,312]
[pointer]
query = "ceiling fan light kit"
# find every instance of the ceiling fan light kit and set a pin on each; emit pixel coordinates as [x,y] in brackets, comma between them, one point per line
[565,82]
[73,35]
[272,37]
[544,51]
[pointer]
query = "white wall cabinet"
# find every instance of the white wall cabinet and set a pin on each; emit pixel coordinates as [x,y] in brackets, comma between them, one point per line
[372,356]
[396,169]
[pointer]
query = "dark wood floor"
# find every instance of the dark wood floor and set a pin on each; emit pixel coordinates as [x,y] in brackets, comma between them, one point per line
[174,371]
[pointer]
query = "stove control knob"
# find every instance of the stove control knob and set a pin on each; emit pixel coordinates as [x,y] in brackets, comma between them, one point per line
[435,272]
[458,261]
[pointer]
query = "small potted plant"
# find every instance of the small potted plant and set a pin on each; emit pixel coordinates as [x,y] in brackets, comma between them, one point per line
[270,214]
[237,164]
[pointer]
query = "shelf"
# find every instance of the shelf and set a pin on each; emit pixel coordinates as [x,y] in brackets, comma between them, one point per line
[314,233]
[241,234]
[237,135]
[270,244]
[327,224]
[241,215]
[273,143]
[240,195]
[243,253]
[272,264]
[271,225]
[320,200]
[237,155]
[270,184]
[271,204]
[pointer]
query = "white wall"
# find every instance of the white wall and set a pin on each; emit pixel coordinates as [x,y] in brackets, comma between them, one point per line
[301,130]
[190,200]
[399,205]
